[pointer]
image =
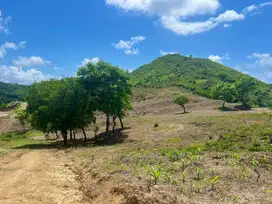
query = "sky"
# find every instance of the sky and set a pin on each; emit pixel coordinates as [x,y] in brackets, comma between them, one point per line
[52,39]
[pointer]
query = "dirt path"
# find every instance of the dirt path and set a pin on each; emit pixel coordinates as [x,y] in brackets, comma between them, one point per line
[39,176]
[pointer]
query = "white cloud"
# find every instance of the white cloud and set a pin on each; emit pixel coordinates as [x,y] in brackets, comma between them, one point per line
[58,69]
[229,16]
[250,9]
[173,14]
[14,74]
[167,53]
[264,60]
[215,58]
[132,52]
[187,28]
[254,7]
[127,45]
[93,61]
[266,4]
[261,67]
[177,8]
[30,61]
[219,59]
[226,25]
[4,21]
[10,45]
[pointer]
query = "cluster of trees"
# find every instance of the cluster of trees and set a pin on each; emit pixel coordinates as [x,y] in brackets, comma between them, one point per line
[11,92]
[70,104]
[247,90]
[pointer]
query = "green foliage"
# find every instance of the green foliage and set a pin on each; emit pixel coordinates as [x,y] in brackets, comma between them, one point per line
[109,88]
[3,106]
[109,85]
[201,76]
[59,105]
[244,89]
[246,138]
[182,100]
[11,92]
[195,74]
[69,104]
[225,92]
[214,180]
[17,135]
[22,116]
[155,173]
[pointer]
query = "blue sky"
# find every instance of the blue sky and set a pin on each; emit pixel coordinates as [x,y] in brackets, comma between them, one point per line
[43,39]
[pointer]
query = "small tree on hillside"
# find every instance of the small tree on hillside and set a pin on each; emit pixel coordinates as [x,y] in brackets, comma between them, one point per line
[22,116]
[224,91]
[182,100]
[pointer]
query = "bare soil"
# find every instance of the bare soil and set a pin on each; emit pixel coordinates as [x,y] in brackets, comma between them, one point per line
[38,177]
[100,174]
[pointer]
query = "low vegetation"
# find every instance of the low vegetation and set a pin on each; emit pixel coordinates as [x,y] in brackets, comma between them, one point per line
[11,92]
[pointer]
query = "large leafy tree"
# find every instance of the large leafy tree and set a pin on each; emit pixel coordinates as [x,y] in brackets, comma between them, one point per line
[59,105]
[225,92]
[109,87]
[245,88]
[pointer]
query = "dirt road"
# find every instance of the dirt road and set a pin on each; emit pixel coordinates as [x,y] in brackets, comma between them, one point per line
[39,176]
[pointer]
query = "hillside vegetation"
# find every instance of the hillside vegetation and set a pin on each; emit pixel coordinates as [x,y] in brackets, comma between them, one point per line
[11,92]
[195,74]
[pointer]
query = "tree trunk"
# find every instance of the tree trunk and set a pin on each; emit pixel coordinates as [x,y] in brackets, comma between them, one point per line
[223,105]
[85,136]
[107,125]
[95,136]
[184,109]
[71,135]
[270,139]
[64,135]
[114,123]
[74,134]
[57,135]
[121,122]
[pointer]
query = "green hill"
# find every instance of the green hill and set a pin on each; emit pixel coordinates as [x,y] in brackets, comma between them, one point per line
[195,74]
[11,92]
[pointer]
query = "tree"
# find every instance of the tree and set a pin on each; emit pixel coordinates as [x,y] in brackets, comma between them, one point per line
[225,92]
[59,105]
[245,88]
[182,100]
[22,116]
[109,87]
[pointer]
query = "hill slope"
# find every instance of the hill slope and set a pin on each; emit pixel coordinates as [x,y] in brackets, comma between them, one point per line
[11,92]
[195,74]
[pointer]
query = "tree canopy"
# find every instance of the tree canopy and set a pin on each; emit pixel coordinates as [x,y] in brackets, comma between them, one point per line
[182,100]
[225,92]
[70,103]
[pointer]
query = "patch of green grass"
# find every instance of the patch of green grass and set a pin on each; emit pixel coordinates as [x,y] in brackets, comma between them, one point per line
[18,139]
[253,137]
[19,135]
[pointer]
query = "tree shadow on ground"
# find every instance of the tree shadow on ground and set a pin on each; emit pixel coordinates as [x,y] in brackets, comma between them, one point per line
[226,109]
[182,113]
[119,136]
[242,108]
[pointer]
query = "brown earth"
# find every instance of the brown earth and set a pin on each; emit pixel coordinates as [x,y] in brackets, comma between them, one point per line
[38,177]
[101,174]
